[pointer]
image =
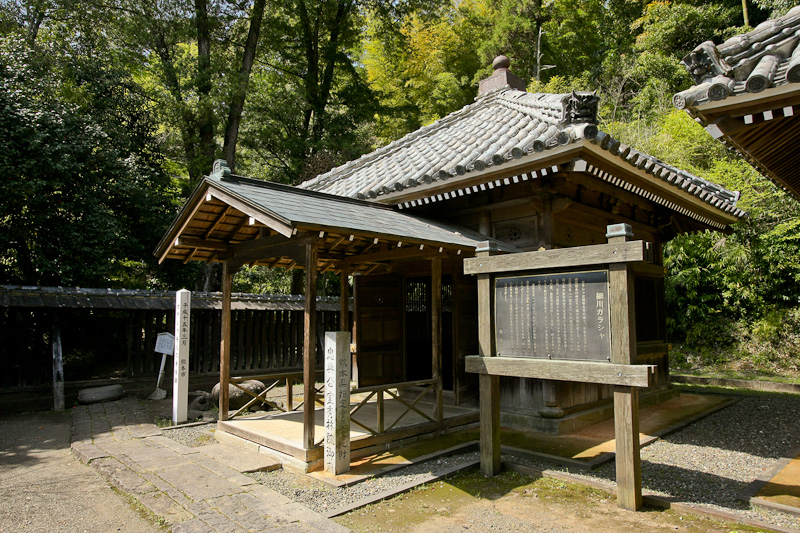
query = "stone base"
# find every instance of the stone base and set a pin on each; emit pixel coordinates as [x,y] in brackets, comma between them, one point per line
[530,419]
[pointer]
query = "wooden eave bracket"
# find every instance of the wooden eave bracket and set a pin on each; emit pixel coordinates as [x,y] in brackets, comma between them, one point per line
[564,370]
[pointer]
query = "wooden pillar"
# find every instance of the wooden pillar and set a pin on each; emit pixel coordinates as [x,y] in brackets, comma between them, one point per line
[488,386]
[344,304]
[626,399]
[436,337]
[310,347]
[58,365]
[225,340]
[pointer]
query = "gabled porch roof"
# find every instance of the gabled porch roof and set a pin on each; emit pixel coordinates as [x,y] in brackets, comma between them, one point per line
[249,221]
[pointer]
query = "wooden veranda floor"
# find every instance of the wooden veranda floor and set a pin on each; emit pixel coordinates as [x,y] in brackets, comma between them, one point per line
[283,432]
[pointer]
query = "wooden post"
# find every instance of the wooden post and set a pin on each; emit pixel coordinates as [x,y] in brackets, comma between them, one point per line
[379,407]
[310,347]
[225,341]
[58,366]
[436,337]
[344,303]
[289,394]
[626,399]
[488,386]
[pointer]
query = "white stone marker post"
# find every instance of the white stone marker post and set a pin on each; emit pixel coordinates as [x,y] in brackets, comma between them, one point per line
[337,402]
[180,372]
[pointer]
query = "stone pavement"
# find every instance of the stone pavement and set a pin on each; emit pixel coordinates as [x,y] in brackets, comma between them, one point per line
[192,489]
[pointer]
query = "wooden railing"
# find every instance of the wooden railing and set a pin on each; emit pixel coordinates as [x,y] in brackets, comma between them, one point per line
[289,378]
[393,390]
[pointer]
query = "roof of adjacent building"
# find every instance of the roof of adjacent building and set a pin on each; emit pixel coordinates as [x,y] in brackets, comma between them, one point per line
[747,95]
[77,297]
[748,63]
[497,131]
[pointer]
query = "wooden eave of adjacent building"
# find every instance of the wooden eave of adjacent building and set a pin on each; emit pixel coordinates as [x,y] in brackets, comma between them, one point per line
[218,225]
[763,127]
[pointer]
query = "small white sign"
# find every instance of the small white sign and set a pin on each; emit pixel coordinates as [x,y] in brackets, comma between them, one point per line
[165,343]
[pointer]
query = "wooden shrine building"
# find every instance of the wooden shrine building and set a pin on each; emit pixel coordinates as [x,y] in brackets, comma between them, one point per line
[747,95]
[523,171]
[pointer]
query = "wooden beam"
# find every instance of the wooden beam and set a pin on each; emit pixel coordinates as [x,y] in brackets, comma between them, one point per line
[203,244]
[488,386]
[385,255]
[310,346]
[436,337]
[626,398]
[225,341]
[598,254]
[270,220]
[276,246]
[580,371]
[216,222]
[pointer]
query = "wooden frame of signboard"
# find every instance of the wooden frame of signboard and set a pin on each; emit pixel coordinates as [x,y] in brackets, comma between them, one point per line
[620,369]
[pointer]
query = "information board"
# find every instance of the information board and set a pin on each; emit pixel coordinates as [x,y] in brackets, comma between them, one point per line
[554,316]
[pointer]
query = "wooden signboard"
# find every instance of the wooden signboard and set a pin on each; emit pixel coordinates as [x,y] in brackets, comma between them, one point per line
[566,314]
[554,316]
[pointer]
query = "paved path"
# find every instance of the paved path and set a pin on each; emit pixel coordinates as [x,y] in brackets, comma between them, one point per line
[192,489]
[43,488]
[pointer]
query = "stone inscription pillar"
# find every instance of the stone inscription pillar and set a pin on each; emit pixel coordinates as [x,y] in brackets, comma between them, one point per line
[337,402]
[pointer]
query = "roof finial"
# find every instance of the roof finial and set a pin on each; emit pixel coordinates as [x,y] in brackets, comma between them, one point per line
[500,78]
[501,62]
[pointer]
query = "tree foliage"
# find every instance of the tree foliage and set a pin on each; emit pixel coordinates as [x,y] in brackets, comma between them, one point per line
[84,189]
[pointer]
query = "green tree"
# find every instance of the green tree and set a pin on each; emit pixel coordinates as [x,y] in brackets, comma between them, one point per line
[85,192]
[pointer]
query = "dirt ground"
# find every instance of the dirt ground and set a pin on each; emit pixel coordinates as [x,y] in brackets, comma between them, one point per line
[515,503]
[44,488]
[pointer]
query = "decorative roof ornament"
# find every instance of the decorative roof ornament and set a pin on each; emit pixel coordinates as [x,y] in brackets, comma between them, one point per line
[221,169]
[705,62]
[581,107]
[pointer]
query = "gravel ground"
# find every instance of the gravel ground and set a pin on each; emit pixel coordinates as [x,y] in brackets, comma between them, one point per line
[323,498]
[708,463]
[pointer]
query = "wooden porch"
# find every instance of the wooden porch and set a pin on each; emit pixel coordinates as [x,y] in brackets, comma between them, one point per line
[284,432]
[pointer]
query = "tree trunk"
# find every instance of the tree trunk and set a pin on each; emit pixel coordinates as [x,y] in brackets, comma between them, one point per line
[205,112]
[240,88]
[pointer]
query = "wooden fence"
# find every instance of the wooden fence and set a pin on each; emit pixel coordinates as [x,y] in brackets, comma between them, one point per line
[118,341]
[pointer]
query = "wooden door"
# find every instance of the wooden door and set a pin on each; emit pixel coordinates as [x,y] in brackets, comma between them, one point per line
[379,332]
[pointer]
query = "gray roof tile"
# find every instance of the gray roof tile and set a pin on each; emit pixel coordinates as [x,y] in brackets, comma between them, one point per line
[303,208]
[503,125]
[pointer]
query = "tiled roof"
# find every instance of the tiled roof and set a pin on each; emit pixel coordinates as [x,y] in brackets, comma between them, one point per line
[502,126]
[498,128]
[309,209]
[77,297]
[766,57]
[709,192]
